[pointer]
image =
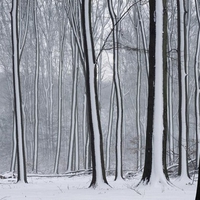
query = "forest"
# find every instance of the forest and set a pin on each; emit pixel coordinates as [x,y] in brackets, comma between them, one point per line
[100,88]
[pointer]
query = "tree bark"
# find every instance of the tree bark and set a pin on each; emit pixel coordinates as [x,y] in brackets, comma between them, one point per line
[165,88]
[197,89]
[117,84]
[183,158]
[21,162]
[60,77]
[148,151]
[98,176]
[36,120]
[154,169]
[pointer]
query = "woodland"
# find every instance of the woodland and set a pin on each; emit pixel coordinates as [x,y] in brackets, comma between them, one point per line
[101,88]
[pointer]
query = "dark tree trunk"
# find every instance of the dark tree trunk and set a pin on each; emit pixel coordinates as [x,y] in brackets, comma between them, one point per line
[165,83]
[149,131]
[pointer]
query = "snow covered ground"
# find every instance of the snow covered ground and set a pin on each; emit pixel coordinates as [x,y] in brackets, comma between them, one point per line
[76,188]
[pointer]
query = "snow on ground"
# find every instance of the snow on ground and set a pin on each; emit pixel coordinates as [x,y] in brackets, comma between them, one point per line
[76,188]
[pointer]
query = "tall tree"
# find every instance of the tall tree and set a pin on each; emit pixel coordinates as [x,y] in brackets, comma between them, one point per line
[21,161]
[183,126]
[197,88]
[138,93]
[60,79]
[165,87]
[98,177]
[36,117]
[149,131]
[153,169]
[117,84]
[74,106]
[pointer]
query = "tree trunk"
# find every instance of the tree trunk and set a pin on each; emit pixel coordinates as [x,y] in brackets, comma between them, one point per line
[148,151]
[165,88]
[117,84]
[36,122]
[183,158]
[60,77]
[170,105]
[74,106]
[154,170]
[98,177]
[14,146]
[139,137]
[110,123]
[143,39]
[21,162]
[197,88]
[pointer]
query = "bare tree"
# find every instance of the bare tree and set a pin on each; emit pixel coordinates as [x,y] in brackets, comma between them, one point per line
[183,125]
[153,169]
[21,162]
[98,177]
[36,120]
[197,76]
[117,84]
[60,78]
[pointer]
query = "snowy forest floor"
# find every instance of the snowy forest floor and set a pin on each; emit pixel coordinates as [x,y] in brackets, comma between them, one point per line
[76,188]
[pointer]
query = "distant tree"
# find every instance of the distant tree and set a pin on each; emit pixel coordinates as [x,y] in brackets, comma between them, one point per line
[21,161]
[36,82]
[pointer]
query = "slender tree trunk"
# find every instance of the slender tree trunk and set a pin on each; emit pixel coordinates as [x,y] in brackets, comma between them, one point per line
[117,84]
[143,39]
[14,148]
[165,87]
[139,143]
[110,123]
[85,135]
[100,61]
[21,162]
[74,107]
[187,16]
[60,77]
[148,151]
[98,177]
[183,159]
[36,120]
[197,88]
[170,105]
[77,163]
